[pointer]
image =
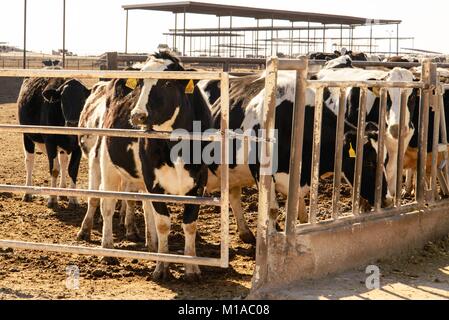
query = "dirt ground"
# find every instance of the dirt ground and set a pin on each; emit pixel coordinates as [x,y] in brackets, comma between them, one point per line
[37,275]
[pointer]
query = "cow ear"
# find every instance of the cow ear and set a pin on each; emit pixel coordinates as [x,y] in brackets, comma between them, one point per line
[120,89]
[52,95]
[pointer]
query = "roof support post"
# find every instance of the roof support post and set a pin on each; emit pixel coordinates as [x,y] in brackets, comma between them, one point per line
[397,39]
[371,38]
[126,31]
[257,39]
[219,33]
[25,34]
[63,34]
[184,34]
[176,31]
[272,27]
[324,38]
[230,37]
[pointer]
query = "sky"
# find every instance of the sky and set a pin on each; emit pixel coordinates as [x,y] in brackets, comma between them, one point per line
[97,26]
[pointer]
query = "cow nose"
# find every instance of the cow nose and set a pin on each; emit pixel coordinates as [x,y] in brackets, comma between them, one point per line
[394,131]
[138,118]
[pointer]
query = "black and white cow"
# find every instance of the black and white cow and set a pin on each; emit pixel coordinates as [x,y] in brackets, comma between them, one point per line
[109,106]
[52,102]
[167,105]
[336,72]
[247,97]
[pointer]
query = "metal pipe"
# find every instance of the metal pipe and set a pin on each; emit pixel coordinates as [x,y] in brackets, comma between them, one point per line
[316,155]
[324,38]
[126,32]
[109,195]
[397,39]
[224,170]
[339,154]
[371,39]
[230,37]
[24,34]
[296,153]
[435,144]
[63,34]
[184,34]
[359,159]
[265,184]
[444,136]
[95,74]
[20,245]
[401,148]
[364,84]
[381,150]
[176,32]
[219,32]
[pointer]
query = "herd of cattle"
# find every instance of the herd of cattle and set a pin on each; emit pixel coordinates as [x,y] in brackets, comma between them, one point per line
[144,165]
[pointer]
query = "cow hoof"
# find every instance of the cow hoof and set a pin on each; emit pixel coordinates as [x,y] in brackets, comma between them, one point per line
[248,237]
[162,273]
[27,198]
[52,204]
[133,237]
[193,277]
[83,236]
[63,198]
[110,261]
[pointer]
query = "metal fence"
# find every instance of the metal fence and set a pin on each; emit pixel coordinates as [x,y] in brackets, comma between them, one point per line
[222,136]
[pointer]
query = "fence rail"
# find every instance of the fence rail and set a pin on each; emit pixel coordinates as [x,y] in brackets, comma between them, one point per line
[222,136]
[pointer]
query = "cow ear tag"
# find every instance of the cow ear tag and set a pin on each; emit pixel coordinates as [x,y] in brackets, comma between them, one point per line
[352,153]
[131,83]
[190,88]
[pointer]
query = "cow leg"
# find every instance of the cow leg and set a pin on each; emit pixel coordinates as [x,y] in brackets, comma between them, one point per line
[122,213]
[92,203]
[54,171]
[245,233]
[409,186]
[150,227]
[28,146]
[193,272]
[74,165]
[132,233]
[163,225]
[64,164]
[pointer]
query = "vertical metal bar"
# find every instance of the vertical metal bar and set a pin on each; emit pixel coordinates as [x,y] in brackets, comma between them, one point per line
[63,34]
[371,38]
[401,148]
[381,150]
[272,27]
[219,33]
[176,32]
[423,133]
[435,144]
[184,34]
[359,159]
[230,37]
[126,32]
[324,38]
[339,154]
[224,170]
[308,37]
[296,151]
[397,39]
[261,270]
[444,134]
[257,39]
[316,155]
[25,34]
[341,36]
[291,41]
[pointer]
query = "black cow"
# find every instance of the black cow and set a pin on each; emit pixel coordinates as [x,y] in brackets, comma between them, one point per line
[52,102]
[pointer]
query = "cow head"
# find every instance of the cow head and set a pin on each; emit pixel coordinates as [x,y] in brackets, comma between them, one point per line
[71,95]
[369,168]
[160,101]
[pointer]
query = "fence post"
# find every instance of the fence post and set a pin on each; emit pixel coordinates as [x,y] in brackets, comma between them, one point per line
[293,206]
[112,60]
[265,184]
[429,77]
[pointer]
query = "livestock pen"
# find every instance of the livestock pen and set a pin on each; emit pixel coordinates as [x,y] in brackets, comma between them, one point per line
[300,251]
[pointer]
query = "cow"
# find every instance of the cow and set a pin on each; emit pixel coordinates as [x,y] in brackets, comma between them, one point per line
[373,103]
[52,102]
[247,96]
[109,106]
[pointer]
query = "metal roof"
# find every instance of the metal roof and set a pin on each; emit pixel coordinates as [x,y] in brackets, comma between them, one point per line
[257,13]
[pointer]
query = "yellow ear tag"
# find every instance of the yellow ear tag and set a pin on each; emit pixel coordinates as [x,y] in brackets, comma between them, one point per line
[352,153]
[131,83]
[190,88]
[376,91]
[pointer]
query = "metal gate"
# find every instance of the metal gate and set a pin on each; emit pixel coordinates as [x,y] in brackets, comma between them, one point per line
[304,251]
[221,136]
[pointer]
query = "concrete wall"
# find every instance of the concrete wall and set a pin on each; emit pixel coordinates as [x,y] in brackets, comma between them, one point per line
[320,253]
[9,89]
